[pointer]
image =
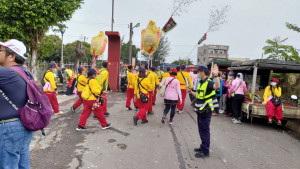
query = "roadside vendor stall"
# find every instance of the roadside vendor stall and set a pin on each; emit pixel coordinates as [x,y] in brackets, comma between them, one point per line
[261,68]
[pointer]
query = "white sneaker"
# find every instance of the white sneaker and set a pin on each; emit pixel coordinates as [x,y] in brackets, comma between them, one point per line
[177,110]
[60,112]
[233,119]
[180,111]
[221,111]
[237,121]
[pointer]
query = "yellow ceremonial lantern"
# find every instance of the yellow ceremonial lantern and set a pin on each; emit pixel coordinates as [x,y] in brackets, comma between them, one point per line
[150,38]
[98,44]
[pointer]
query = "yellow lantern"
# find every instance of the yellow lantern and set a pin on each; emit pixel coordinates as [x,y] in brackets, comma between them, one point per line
[98,44]
[150,38]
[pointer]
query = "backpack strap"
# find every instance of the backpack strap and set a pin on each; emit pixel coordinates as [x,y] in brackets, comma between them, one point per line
[79,82]
[25,75]
[139,83]
[170,82]
[91,89]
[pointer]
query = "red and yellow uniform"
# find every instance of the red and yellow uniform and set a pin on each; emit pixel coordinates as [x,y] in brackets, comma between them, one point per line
[49,77]
[89,105]
[130,89]
[269,105]
[150,76]
[102,79]
[143,86]
[160,75]
[81,82]
[182,76]
[155,90]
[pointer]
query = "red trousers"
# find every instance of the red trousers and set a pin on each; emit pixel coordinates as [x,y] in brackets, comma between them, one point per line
[79,101]
[154,96]
[271,109]
[87,109]
[143,108]
[150,93]
[183,94]
[53,100]
[130,96]
[105,103]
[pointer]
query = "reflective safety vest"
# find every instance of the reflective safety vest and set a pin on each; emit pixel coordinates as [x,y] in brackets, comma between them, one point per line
[203,95]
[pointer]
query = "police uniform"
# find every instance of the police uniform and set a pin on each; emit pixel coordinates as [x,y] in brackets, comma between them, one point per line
[205,99]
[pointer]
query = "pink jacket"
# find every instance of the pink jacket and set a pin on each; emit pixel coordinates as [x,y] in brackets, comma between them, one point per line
[239,87]
[173,91]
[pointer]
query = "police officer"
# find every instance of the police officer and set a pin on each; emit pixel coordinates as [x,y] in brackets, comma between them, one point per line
[205,94]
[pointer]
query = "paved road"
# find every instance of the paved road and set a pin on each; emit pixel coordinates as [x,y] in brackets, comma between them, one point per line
[160,146]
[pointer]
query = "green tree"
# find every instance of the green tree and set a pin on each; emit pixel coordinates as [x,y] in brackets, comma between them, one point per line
[180,62]
[70,54]
[161,52]
[125,51]
[292,27]
[50,49]
[28,20]
[277,51]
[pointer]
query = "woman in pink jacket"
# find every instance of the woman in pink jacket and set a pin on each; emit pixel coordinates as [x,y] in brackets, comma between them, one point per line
[239,88]
[172,95]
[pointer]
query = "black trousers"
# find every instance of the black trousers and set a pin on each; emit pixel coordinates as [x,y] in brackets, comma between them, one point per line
[167,108]
[237,105]
[71,89]
[229,105]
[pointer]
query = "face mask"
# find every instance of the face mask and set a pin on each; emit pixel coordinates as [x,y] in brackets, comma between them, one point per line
[230,77]
[199,76]
[273,83]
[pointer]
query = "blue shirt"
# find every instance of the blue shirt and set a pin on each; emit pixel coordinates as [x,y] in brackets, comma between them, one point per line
[220,88]
[14,87]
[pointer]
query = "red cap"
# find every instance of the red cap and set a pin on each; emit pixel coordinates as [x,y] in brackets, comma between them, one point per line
[173,70]
[275,80]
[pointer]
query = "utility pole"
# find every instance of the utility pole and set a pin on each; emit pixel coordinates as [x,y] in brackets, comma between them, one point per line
[130,40]
[112,16]
[130,43]
[62,31]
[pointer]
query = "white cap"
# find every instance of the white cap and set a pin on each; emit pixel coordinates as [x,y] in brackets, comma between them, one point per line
[16,46]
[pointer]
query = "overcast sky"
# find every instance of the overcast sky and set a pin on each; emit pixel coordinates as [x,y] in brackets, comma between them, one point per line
[249,23]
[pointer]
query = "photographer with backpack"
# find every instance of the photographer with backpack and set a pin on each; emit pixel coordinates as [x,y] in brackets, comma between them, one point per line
[14,137]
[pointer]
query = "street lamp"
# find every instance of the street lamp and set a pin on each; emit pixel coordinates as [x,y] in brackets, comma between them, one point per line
[62,31]
[130,40]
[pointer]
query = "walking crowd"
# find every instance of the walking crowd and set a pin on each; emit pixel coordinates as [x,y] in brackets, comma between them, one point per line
[209,96]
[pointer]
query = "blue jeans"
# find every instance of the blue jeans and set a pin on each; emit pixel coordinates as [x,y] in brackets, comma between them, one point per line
[14,146]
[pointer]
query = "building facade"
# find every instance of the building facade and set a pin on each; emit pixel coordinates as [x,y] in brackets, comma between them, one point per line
[206,52]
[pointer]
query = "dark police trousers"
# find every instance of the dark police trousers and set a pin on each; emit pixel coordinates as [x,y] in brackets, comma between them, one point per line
[204,132]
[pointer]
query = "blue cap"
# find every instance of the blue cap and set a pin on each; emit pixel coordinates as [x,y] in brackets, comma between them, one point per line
[203,68]
[52,64]
[80,69]
[182,66]
[92,71]
[142,70]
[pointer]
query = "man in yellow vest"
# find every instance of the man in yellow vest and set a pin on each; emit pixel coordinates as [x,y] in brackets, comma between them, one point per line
[81,82]
[102,79]
[130,88]
[71,77]
[160,73]
[151,78]
[156,85]
[185,84]
[205,99]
